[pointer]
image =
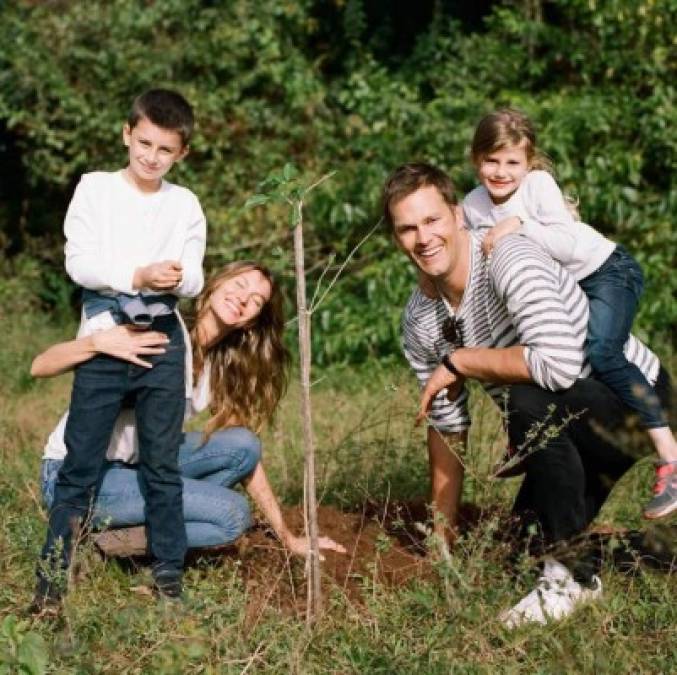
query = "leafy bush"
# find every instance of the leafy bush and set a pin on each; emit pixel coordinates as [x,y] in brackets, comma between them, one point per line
[355,87]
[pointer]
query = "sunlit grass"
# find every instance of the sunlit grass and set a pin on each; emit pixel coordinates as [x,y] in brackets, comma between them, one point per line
[368,449]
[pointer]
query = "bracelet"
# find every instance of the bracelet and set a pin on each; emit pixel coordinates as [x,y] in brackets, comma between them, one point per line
[449,365]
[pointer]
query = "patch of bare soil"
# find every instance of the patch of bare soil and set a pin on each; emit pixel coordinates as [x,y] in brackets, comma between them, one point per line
[384,544]
[274,579]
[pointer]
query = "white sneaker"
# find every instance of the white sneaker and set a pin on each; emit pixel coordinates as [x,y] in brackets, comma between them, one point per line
[556,595]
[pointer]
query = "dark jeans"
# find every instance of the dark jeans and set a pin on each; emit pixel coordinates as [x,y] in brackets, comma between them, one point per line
[158,395]
[570,472]
[613,292]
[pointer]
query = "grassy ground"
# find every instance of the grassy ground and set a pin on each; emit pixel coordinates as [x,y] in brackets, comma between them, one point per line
[368,450]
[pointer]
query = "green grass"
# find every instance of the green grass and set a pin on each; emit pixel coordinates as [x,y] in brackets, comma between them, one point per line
[367,449]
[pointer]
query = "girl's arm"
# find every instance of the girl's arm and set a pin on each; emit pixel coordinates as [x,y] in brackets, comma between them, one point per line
[506,226]
[547,220]
[122,342]
[261,492]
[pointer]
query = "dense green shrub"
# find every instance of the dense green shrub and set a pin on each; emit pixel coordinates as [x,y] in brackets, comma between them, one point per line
[355,87]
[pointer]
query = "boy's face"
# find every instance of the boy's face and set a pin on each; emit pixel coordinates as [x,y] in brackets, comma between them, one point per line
[152,152]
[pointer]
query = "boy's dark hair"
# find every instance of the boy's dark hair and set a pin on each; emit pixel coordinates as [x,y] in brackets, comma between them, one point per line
[164,108]
[408,178]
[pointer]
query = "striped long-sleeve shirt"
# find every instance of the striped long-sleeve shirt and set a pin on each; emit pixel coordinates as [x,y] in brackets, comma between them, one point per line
[519,296]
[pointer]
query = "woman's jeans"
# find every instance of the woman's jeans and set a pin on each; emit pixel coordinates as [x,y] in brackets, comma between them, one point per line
[102,385]
[214,513]
[613,293]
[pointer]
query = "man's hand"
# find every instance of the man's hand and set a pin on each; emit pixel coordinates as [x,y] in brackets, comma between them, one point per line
[161,276]
[128,343]
[442,378]
[506,226]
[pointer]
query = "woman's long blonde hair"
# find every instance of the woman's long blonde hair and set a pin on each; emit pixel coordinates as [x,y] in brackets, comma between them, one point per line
[248,366]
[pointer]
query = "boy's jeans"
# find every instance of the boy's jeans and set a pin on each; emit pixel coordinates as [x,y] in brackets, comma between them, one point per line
[215,513]
[158,395]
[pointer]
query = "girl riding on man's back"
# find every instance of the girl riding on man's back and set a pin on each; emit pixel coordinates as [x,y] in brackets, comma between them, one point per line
[519,195]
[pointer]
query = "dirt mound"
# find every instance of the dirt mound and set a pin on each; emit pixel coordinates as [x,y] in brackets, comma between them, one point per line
[274,579]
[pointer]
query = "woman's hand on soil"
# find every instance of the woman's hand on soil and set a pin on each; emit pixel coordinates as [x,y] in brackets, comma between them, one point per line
[300,545]
[129,343]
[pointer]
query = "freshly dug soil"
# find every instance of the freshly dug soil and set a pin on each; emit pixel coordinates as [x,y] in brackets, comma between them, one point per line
[384,545]
[274,579]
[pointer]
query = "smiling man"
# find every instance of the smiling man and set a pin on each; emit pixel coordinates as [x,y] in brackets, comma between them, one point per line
[517,323]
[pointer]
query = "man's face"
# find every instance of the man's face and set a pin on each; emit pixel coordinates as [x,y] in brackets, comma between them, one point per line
[427,230]
[152,152]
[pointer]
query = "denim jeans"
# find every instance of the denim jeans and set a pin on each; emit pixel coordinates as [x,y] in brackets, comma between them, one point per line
[100,387]
[214,513]
[613,293]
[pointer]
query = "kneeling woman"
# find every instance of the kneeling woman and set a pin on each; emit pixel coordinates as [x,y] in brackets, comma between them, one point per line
[236,368]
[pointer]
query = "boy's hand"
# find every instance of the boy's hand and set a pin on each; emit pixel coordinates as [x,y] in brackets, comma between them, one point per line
[506,226]
[161,276]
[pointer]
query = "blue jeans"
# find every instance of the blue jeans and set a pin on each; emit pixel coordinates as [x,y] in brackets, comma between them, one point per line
[214,513]
[613,292]
[100,388]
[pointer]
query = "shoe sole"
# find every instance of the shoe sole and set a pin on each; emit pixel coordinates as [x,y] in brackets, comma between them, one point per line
[670,508]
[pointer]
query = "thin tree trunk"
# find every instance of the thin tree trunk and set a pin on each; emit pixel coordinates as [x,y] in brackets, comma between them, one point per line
[314,604]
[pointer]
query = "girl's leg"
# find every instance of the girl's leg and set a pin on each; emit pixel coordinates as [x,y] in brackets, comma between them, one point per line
[225,459]
[613,292]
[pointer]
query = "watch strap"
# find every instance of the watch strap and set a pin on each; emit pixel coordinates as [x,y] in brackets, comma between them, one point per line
[449,365]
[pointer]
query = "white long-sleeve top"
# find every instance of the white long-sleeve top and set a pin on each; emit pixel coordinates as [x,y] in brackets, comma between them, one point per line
[124,443]
[546,219]
[112,229]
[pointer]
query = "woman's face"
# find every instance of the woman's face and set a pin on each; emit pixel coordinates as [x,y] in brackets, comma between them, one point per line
[238,301]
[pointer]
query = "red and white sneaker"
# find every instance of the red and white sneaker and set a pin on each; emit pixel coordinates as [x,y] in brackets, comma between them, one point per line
[664,501]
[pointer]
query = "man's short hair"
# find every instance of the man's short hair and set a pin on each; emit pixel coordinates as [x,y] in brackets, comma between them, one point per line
[166,109]
[408,178]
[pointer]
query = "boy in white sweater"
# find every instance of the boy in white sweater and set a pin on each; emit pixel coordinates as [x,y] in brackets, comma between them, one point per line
[135,243]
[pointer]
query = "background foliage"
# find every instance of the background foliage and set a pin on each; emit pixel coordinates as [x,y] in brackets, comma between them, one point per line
[345,85]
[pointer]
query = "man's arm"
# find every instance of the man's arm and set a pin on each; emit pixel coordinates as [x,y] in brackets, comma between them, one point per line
[505,365]
[446,480]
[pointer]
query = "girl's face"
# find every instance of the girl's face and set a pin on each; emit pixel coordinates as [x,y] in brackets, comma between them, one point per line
[502,171]
[237,301]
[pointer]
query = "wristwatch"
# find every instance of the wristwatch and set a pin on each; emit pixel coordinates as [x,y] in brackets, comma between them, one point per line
[449,365]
